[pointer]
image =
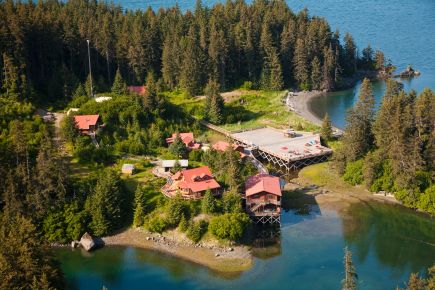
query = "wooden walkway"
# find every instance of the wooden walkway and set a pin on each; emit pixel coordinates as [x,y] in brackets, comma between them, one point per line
[284,162]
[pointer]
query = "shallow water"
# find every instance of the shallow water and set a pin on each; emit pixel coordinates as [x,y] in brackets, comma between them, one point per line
[403,29]
[387,242]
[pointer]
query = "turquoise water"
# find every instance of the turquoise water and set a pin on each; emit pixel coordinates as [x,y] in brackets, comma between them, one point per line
[387,243]
[403,29]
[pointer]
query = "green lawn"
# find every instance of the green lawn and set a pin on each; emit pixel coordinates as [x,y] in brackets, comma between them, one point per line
[247,110]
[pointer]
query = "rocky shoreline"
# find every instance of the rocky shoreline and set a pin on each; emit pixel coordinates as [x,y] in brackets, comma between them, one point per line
[208,253]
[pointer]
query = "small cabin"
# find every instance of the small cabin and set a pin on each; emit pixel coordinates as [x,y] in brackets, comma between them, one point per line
[167,165]
[263,198]
[87,124]
[139,90]
[128,169]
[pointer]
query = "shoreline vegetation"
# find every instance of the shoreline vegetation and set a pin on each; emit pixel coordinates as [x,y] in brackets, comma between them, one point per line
[147,66]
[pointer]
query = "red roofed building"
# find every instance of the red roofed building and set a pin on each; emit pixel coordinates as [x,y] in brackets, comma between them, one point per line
[263,198]
[140,90]
[187,139]
[223,146]
[191,183]
[87,124]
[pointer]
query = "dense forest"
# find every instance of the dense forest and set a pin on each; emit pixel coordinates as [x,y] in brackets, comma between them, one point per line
[394,149]
[44,47]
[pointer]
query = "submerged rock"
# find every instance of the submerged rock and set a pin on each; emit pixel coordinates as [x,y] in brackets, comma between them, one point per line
[89,242]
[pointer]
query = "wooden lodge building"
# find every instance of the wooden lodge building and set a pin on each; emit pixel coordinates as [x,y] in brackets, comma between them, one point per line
[263,199]
[88,124]
[191,183]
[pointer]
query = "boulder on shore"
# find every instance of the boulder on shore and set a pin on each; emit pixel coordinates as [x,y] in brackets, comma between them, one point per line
[75,244]
[89,242]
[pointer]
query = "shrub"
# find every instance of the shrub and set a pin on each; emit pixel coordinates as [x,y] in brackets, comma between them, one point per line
[157,224]
[229,226]
[232,202]
[353,174]
[247,85]
[427,200]
[196,230]
[184,224]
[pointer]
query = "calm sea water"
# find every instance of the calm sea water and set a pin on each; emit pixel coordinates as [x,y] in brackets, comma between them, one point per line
[387,244]
[403,29]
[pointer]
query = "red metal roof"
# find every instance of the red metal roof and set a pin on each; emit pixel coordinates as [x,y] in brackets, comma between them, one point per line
[198,179]
[263,183]
[84,121]
[187,138]
[222,146]
[140,90]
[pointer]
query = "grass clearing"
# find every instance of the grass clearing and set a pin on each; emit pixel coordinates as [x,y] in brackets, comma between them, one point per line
[247,109]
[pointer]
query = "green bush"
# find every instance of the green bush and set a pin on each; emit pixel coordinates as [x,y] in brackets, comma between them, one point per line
[247,85]
[353,174]
[232,202]
[196,230]
[427,200]
[157,224]
[184,224]
[229,226]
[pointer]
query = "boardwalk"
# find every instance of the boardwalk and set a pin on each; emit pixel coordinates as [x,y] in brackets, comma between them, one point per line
[273,146]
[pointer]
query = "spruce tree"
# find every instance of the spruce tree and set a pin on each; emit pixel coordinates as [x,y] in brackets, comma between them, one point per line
[300,64]
[272,78]
[326,131]
[105,204]
[209,203]
[350,54]
[139,209]
[25,262]
[358,137]
[316,74]
[178,148]
[119,86]
[216,108]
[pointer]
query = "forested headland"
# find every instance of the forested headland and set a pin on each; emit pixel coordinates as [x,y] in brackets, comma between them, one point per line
[44,48]
[392,150]
[44,62]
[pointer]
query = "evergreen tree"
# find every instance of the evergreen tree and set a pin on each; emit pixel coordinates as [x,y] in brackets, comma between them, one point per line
[358,137]
[139,209]
[300,64]
[272,78]
[177,167]
[192,68]
[79,91]
[350,54]
[25,263]
[379,60]
[209,203]
[184,224]
[316,74]
[10,74]
[215,112]
[69,129]
[105,204]
[119,86]
[326,131]
[349,281]
[178,148]
[231,202]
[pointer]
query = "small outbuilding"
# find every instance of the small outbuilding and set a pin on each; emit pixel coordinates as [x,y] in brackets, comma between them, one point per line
[167,165]
[128,168]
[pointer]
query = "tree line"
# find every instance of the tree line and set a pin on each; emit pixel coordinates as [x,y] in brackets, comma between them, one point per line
[44,50]
[392,150]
